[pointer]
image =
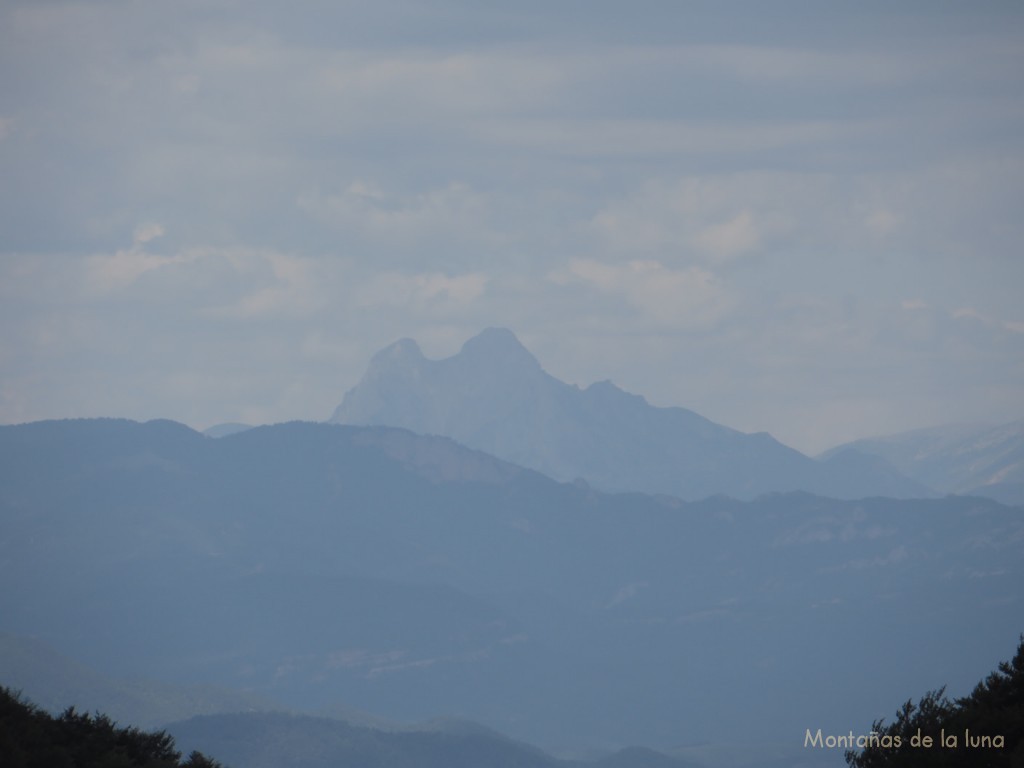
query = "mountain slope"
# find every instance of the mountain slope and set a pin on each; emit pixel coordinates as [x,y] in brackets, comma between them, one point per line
[494,396]
[412,577]
[978,459]
[272,740]
[253,732]
[55,682]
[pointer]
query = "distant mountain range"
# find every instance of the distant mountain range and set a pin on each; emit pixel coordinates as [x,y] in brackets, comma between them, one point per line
[970,459]
[55,682]
[225,429]
[274,740]
[495,397]
[246,730]
[319,565]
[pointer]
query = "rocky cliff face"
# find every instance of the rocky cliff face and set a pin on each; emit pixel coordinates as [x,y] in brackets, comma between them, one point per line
[495,396]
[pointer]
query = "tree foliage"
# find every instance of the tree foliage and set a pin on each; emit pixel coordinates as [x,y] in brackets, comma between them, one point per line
[32,738]
[995,708]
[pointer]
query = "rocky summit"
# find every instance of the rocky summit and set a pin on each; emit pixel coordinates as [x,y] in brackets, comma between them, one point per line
[495,396]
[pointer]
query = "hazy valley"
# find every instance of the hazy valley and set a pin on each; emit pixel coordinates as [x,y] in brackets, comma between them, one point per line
[328,568]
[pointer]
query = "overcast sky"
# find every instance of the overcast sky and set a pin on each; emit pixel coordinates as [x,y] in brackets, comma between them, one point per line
[804,218]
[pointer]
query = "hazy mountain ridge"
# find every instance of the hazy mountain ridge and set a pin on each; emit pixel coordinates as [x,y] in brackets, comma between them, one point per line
[272,740]
[225,429]
[55,682]
[251,731]
[494,396]
[982,459]
[306,563]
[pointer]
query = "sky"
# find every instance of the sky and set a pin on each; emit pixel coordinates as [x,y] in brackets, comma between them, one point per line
[796,217]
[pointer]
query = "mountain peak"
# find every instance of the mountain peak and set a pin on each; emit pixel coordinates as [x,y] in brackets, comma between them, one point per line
[403,348]
[402,351]
[497,344]
[494,396]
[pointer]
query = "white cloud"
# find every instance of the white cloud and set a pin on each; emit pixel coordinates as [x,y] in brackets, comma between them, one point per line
[146,232]
[421,291]
[963,312]
[713,217]
[282,284]
[987,320]
[730,238]
[107,273]
[453,213]
[230,282]
[677,298]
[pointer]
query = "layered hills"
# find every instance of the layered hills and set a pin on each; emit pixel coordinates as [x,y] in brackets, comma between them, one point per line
[977,459]
[244,730]
[55,682]
[495,396]
[409,576]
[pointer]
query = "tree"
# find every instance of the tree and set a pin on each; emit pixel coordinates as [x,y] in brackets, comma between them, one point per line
[988,726]
[31,738]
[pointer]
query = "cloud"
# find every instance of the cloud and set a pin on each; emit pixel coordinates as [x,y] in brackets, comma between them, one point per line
[146,232]
[894,556]
[968,312]
[453,213]
[882,223]
[420,291]
[730,238]
[773,65]
[625,592]
[294,287]
[986,320]
[607,138]
[793,211]
[226,282]
[678,298]
[714,217]
[107,273]
[458,84]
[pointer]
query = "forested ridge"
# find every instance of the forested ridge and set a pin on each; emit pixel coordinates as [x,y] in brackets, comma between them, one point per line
[985,728]
[32,738]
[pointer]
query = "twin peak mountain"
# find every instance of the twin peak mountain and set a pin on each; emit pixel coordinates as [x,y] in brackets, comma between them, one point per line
[495,397]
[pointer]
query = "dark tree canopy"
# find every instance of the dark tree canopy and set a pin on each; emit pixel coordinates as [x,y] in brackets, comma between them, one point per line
[995,708]
[32,738]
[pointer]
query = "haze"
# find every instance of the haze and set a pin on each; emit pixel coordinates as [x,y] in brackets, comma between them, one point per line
[797,218]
